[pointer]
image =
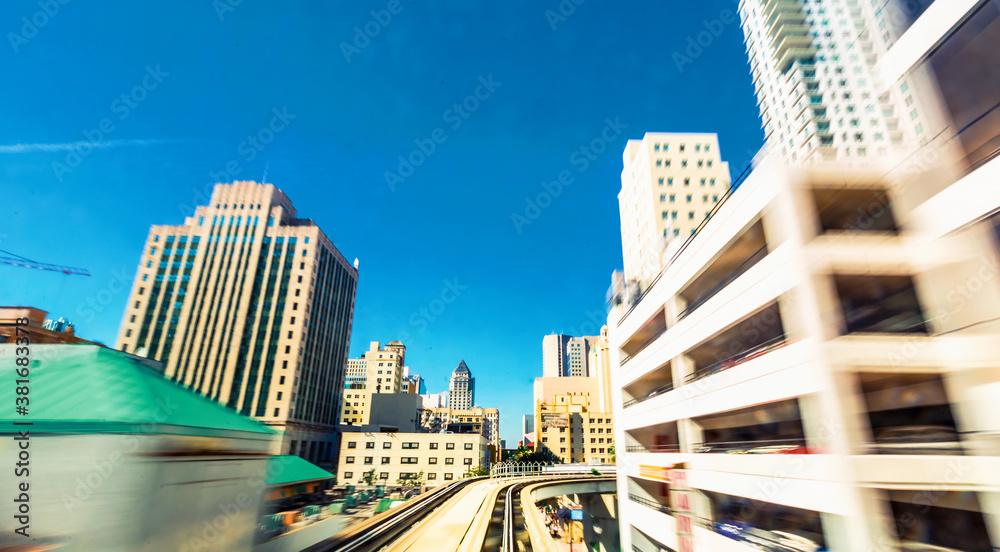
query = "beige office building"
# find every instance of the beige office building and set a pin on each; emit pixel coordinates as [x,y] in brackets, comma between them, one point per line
[378,371]
[484,421]
[251,306]
[564,355]
[441,457]
[670,184]
[572,416]
[569,427]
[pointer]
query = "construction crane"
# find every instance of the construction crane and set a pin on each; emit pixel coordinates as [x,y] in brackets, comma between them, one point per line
[17,260]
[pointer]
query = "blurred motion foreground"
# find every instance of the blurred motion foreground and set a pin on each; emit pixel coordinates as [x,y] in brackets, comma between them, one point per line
[817,365]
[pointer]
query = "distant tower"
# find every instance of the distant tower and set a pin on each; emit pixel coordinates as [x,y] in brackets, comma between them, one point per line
[462,388]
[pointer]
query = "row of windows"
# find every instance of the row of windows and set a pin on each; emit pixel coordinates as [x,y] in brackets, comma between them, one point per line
[666,147]
[385,476]
[369,460]
[687,181]
[388,445]
[673,198]
[684,163]
[673,215]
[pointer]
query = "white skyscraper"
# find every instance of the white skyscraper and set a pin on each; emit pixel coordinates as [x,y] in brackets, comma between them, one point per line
[813,72]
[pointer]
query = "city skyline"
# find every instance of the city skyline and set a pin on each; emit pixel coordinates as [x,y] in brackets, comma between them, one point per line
[329,144]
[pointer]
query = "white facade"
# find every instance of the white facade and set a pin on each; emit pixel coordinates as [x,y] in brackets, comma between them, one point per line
[441,457]
[670,183]
[845,315]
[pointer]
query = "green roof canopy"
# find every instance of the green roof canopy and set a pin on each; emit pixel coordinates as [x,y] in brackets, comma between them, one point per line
[288,470]
[91,389]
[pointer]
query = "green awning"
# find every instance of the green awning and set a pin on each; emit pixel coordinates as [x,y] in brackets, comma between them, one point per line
[286,470]
[90,389]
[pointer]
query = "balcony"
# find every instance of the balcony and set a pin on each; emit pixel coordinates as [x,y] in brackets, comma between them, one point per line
[654,438]
[764,525]
[773,428]
[739,257]
[910,414]
[854,210]
[879,304]
[647,333]
[751,338]
[651,385]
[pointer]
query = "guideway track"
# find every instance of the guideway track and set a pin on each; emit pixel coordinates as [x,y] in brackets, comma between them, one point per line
[387,527]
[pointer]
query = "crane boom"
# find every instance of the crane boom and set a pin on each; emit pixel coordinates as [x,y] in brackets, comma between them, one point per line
[27,263]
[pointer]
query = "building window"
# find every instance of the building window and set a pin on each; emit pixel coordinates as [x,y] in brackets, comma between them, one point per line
[449,476]
[467,461]
[369,460]
[383,475]
[432,476]
[411,445]
[468,446]
[449,461]
[352,444]
[370,445]
[348,475]
[349,460]
[385,459]
[449,446]
[434,446]
[432,460]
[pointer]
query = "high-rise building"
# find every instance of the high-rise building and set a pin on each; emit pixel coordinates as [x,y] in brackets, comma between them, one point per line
[251,306]
[461,388]
[564,355]
[830,325]
[379,370]
[670,183]
[571,406]
[814,72]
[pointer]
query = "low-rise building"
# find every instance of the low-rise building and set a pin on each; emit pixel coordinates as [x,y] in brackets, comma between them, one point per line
[42,330]
[484,421]
[442,457]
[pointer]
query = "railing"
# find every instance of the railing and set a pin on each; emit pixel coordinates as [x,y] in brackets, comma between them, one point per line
[651,394]
[738,358]
[687,242]
[645,344]
[510,470]
[736,273]
[651,504]
[653,448]
[760,539]
[762,446]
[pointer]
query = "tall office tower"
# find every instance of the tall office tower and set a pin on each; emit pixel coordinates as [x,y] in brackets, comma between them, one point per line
[461,388]
[379,370]
[670,183]
[814,72]
[564,356]
[251,306]
[835,324]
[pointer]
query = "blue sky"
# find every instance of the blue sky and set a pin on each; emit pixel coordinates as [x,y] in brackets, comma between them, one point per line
[172,92]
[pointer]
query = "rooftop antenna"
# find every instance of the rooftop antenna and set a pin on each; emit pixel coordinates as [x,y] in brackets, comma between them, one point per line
[263,179]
